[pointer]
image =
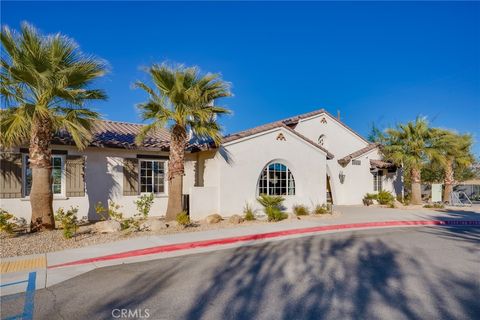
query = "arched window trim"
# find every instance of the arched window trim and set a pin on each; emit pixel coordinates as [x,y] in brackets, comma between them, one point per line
[322,139]
[276,178]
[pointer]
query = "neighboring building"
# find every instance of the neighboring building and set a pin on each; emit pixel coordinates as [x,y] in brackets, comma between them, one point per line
[309,159]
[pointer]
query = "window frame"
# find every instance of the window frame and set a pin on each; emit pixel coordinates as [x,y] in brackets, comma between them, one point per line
[63,179]
[164,164]
[289,178]
[378,181]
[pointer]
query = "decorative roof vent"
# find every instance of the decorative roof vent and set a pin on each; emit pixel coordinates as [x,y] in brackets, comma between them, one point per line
[281,137]
[323,120]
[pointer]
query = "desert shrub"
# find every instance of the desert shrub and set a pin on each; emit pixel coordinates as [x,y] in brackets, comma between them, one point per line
[272,206]
[320,209]
[434,205]
[183,218]
[300,210]
[385,197]
[371,196]
[112,212]
[368,198]
[249,212]
[144,204]
[6,221]
[68,220]
[275,214]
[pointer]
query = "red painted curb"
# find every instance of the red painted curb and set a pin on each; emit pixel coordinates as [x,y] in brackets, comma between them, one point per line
[252,237]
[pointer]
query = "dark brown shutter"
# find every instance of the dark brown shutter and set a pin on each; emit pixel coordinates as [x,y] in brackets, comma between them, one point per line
[130,177]
[11,175]
[75,171]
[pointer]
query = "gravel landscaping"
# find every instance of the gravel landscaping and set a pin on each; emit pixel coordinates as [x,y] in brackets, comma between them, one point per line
[43,242]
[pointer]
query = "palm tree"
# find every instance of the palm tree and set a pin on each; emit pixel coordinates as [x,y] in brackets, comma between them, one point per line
[44,88]
[182,100]
[454,153]
[410,145]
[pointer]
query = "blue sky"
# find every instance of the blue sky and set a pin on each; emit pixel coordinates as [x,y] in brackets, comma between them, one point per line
[375,62]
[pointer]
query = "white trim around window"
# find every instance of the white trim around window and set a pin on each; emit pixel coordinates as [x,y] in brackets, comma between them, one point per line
[152,175]
[58,186]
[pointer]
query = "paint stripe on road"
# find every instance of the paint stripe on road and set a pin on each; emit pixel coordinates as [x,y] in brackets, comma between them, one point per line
[28,305]
[262,236]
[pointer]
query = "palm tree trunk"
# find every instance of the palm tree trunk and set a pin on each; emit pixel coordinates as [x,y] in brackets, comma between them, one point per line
[176,170]
[41,195]
[449,180]
[416,186]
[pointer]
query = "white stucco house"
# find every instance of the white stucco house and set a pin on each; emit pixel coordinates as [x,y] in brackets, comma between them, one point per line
[309,159]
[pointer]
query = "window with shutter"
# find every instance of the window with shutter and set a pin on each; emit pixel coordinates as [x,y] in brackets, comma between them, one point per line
[11,175]
[75,172]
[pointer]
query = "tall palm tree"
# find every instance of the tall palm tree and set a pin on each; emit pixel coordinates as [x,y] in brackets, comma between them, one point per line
[44,86]
[454,153]
[181,100]
[410,145]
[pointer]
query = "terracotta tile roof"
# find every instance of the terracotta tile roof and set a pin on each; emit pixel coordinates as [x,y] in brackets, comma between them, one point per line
[269,126]
[345,160]
[114,134]
[380,164]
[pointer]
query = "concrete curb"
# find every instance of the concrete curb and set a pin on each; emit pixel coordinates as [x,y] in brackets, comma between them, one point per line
[263,236]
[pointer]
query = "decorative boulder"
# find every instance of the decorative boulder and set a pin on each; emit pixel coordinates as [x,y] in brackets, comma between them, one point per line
[236,219]
[108,226]
[213,218]
[153,225]
[172,224]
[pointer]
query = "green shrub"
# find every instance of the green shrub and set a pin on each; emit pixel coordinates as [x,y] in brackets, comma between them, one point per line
[371,196]
[249,212]
[321,209]
[300,210]
[385,197]
[272,206]
[275,214]
[435,206]
[5,221]
[183,218]
[144,204]
[68,220]
[111,213]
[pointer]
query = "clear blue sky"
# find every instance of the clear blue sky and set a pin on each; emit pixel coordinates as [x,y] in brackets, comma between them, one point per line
[375,62]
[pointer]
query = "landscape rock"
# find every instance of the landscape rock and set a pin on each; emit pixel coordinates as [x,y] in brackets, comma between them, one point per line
[108,226]
[172,224]
[153,225]
[236,219]
[213,218]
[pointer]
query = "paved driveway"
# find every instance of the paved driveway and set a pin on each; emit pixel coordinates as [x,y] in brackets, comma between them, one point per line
[415,273]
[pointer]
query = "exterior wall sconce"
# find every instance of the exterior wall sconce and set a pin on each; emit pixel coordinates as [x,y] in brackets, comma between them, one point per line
[341,176]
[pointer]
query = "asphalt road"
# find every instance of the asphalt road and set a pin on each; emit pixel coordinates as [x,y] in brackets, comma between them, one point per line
[410,273]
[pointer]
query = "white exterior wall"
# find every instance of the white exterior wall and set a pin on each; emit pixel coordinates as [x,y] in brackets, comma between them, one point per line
[359,180]
[103,181]
[238,176]
[340,141]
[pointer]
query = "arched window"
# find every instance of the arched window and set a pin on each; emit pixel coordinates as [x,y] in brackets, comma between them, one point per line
[322,140]
[276,180]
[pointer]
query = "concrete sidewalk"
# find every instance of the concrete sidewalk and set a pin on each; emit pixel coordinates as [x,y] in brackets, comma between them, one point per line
[81,260]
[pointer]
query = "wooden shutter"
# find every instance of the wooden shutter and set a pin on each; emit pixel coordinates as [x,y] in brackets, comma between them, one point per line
[11,175]
[75,171]
[130,177]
